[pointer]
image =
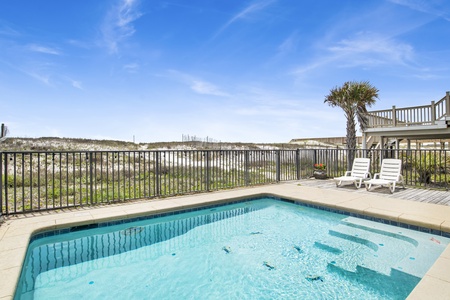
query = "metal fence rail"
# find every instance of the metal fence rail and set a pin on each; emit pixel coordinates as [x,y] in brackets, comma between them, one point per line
[36,181]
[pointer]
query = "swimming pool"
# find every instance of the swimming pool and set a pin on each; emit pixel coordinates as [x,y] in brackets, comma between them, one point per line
[265,248]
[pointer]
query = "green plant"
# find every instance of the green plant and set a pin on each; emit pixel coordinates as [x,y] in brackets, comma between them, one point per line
[425,165]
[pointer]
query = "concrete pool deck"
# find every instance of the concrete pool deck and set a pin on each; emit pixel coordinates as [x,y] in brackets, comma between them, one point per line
[15,232]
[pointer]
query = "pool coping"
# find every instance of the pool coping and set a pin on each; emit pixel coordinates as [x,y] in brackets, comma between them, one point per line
[16,232]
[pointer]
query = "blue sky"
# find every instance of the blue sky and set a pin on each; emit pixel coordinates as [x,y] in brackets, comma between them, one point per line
[231,70]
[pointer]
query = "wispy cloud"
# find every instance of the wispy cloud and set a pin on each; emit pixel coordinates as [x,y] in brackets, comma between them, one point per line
[37,71]
[206,88]
[372,47]
[76,83]
[79,44]
[131,68]
[247,11]
[437,8]
[8,30]
[197,85]
[365,49]
[288,45]
[118,23]
[43,78]
[43,49]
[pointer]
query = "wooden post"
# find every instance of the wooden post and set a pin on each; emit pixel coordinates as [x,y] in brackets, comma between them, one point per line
[447,104]
[397,147]
[382,149]
[364,143]
[433,113]
[394,116]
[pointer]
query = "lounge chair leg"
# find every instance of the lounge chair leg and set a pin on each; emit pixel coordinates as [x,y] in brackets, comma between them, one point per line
[368,187]
[391,188]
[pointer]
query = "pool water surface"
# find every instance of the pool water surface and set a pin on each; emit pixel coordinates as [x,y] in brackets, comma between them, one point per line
[258,249]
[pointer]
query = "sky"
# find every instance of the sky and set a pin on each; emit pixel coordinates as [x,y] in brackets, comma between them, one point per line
[230,70]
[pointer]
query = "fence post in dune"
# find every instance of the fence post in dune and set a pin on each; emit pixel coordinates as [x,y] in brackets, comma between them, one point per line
[315,157]
[207,170]
[5,155]
[1,185]
[157,174]
[246,167]
[278,167]
[297,163]
[91,181]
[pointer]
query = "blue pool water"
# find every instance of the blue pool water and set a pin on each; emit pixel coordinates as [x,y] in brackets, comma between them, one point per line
[259,249]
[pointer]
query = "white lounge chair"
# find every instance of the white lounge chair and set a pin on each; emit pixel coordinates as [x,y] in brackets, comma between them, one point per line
[390,175]
[359,172]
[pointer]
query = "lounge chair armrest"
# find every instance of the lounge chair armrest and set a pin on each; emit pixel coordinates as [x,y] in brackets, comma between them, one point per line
[367,175]
[376,175]
[348,173]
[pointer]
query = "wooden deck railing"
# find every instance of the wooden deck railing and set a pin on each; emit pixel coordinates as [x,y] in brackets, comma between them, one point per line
[411,116]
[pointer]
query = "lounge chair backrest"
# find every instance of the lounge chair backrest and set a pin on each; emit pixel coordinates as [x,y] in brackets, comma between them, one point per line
[360,167]
[390,169]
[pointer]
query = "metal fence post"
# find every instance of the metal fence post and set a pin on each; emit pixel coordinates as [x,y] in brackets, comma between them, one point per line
[278,154]
[207,170]
[1,185]
[297,163]
[157,174]
[246,167]
[91,179]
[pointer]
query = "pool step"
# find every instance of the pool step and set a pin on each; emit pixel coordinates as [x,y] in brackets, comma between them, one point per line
[425,254]
[396,283]
[374,248]
[413,253]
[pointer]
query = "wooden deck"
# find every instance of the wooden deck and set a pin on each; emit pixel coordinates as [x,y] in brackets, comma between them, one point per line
[409,193]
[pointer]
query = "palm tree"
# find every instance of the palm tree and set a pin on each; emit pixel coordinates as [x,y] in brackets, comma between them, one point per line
[353,97]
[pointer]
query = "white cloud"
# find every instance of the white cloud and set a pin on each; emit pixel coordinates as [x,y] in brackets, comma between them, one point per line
[250,9]
[77,84]
[438,8]
[197,85]
[369,45]
[45,79]
[118,24]
[288,45]
[43,49]
[365,49]
[7,30]
[206,88]
[79,44]
[131,68]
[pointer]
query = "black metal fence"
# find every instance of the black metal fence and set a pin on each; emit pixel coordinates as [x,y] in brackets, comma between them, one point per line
[35,181]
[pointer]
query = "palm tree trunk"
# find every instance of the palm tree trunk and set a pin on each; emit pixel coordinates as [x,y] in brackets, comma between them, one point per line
[351,141]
